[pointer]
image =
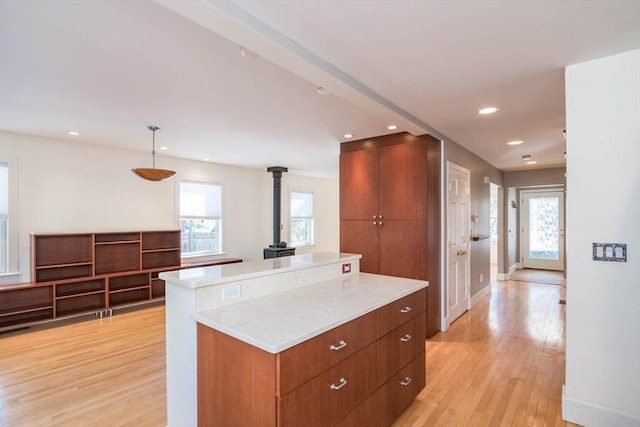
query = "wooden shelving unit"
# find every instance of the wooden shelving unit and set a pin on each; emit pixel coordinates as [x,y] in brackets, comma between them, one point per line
[79,273]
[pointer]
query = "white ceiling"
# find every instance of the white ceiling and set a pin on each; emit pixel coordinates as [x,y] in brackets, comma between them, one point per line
[109,69]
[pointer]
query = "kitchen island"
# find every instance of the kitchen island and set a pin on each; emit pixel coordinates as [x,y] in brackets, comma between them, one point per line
[270,331]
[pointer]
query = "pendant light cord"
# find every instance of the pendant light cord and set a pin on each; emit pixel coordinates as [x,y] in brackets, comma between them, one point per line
[153,149]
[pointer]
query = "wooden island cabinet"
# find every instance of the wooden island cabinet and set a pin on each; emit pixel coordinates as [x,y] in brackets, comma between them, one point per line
[364,372]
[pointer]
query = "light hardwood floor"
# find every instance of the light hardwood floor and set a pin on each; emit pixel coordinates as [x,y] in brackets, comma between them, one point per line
[501,363]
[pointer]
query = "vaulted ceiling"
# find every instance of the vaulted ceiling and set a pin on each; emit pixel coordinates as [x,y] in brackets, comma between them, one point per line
[237,82]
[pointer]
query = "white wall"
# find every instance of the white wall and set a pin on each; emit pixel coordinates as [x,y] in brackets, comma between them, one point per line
[66,186]
[602,384]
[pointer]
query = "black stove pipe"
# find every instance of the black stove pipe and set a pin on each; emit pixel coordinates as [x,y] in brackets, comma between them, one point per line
[277,191]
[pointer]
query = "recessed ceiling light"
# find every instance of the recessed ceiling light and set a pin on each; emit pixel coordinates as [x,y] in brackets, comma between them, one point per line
[515,142]
[526,157]
[322,91]
[348,135]
[206,159]
[74,133]
[392,127]
[488,110]
[164,148]
[531,162]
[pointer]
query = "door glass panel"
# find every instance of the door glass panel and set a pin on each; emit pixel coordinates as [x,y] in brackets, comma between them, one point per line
[544,228]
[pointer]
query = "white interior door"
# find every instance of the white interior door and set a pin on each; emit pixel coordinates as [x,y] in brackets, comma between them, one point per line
[542,220]
[458,228]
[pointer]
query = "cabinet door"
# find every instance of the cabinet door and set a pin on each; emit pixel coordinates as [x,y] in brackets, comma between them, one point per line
[361,237]
[403,249]
[359,184]
[402,185]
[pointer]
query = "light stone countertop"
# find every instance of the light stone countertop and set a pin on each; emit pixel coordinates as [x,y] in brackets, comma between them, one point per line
[279,321]
[217,275]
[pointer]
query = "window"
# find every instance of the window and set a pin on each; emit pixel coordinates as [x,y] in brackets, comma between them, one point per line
[200,218]
[302,233]
[4,217]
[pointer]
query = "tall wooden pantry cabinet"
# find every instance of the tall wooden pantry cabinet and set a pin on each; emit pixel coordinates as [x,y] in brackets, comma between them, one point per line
[390,209]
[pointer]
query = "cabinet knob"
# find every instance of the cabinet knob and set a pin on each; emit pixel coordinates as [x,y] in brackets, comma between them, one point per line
[405,338]
[341,383]
[380,223]
[405,310]
[341,344]
[375,223]
[405,382]
[380,216]
[375,216]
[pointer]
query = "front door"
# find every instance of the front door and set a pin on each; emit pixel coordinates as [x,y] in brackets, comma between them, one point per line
[542,219]
[458,224]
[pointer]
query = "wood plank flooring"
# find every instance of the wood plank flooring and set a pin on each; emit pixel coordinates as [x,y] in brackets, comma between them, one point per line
[501,363]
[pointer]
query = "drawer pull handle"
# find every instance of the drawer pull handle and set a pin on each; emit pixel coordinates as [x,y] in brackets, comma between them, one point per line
[406,338]
[405,382]
[341,384]
[405,310]
[342,344]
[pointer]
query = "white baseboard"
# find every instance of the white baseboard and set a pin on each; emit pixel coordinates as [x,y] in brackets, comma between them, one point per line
[481,294]
[507,276]
[590,415]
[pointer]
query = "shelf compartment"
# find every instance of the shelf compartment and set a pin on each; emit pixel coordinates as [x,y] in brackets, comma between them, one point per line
[25,317]
[25,299]
[120,283]
[80,304]
[106,238]
[157,288]
[128,296]
[62,249]
[62,272]
[154,240]
[115,258]
[20,300]
[77,288]
[161,259]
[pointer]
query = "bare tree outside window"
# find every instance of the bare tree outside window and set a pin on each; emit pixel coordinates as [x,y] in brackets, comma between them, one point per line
[301,222]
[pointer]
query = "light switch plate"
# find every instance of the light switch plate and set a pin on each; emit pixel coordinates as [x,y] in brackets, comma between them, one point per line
[616,252]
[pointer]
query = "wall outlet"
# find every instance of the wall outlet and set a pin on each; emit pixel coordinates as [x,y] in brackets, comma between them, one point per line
[346,268]
[481,277]
[230,292]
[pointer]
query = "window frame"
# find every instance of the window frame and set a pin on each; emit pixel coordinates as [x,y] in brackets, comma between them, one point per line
[12,271]
[220,220]
[312,240]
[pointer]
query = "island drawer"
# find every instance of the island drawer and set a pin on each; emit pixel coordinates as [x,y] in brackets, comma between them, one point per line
[400,346]
[330,396]
[398,312]
[390,400]
[306,360]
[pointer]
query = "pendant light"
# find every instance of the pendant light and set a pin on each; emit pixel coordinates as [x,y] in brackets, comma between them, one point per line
[153,174]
